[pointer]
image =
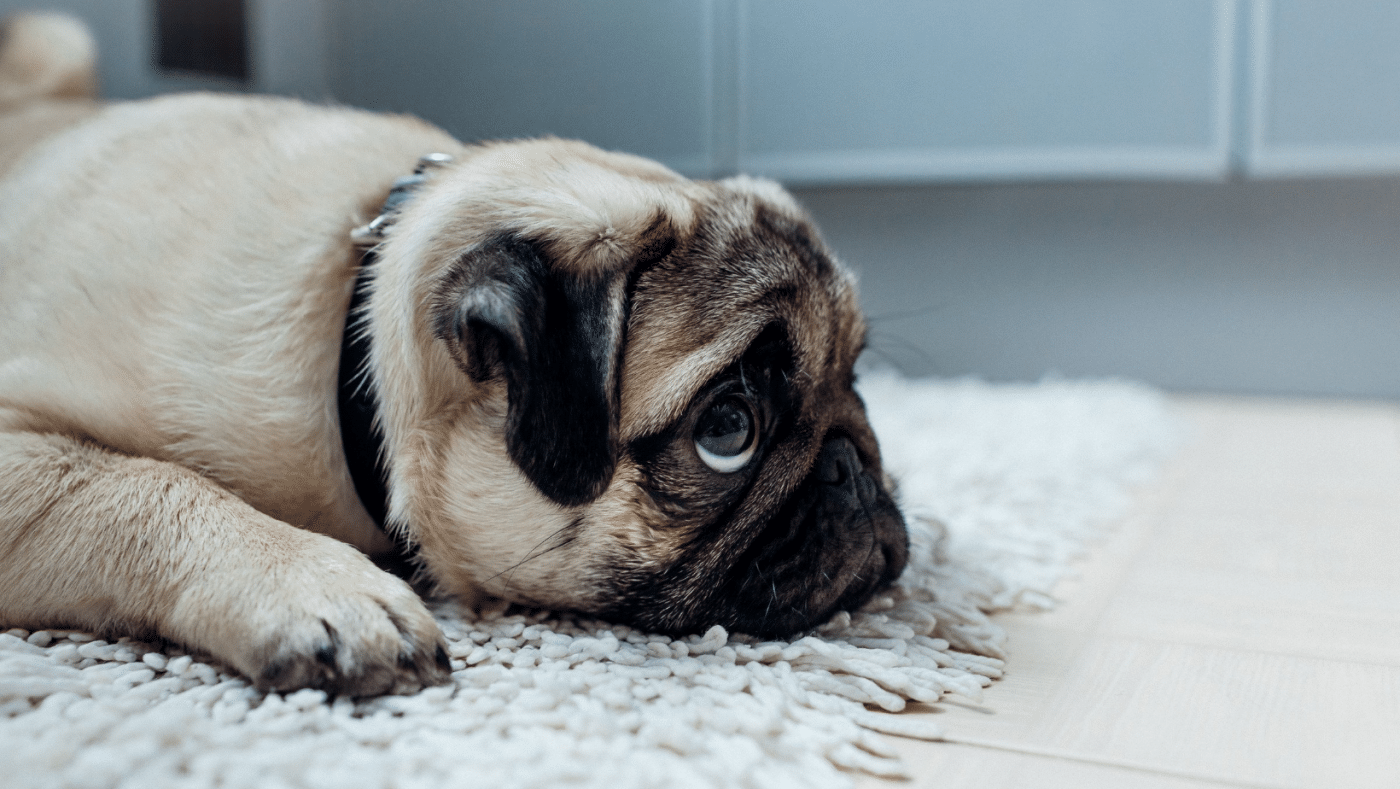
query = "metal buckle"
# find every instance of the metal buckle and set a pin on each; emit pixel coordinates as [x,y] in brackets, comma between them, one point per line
[371,233]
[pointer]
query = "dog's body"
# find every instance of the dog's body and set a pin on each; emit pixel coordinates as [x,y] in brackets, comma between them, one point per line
[558,338]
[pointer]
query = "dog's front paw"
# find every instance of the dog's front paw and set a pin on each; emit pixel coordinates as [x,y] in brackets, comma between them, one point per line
[329,620]
[359,636]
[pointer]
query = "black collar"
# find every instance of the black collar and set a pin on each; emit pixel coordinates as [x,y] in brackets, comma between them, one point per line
[363,444]
[359,435]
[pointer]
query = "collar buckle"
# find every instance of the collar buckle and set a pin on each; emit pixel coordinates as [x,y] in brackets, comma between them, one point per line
[371,233]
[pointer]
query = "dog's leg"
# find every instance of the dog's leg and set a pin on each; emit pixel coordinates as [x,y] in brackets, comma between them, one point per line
[94,539]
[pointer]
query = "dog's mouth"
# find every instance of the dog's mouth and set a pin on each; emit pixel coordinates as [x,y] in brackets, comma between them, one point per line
[837,540]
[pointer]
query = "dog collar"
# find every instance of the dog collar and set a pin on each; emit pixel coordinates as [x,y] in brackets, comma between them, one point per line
[359,435]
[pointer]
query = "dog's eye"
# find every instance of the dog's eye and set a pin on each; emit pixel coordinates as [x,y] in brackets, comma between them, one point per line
[725,435]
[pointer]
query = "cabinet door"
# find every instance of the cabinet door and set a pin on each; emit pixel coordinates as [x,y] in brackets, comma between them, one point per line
[1325,87]
[632,75]
[904,90]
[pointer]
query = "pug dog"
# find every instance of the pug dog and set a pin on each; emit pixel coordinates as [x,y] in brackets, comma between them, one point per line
[231,372]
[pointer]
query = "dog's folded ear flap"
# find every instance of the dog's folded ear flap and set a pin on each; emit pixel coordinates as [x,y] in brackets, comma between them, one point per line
[504,314]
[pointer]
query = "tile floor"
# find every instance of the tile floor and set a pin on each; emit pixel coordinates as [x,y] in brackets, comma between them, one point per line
[1242,627]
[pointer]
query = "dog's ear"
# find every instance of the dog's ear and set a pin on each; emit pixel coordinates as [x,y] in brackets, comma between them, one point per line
[554,339]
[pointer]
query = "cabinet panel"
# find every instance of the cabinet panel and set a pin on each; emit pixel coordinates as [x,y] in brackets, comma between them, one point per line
[632,75]
[909,89]
[1325,87]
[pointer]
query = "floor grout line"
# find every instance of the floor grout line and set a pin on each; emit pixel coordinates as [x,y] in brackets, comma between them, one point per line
[1124,764]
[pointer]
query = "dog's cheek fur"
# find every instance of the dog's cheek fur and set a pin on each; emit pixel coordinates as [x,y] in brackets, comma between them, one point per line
[497,535]
[626,527]
[481,518]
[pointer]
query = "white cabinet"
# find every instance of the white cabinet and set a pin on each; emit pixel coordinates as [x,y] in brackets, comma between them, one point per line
[817,91]
[625,74]
[1324,78]
[904,90]
[884,91]
[848,91]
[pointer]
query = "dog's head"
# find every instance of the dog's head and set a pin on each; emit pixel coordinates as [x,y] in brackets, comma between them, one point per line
[607,388]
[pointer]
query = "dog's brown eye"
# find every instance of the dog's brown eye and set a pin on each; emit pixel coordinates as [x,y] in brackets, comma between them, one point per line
[724,436]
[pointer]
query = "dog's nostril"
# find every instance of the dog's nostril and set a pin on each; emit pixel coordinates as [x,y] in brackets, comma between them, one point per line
[829,470]
[838,463]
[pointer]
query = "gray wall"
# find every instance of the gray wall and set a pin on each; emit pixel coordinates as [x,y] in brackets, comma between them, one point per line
[1280,287]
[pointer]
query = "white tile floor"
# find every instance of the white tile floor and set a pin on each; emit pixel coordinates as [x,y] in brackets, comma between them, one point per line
[1242,628]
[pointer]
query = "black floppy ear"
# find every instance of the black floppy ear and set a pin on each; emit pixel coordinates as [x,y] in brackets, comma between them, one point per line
[552,338]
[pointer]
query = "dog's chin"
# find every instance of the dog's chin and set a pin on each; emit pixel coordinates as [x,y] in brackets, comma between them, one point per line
[837,541]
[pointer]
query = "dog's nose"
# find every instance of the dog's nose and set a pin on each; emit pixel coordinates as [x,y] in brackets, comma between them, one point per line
[839,468]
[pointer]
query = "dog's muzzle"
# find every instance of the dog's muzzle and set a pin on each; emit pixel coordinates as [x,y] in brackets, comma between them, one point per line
[838,541]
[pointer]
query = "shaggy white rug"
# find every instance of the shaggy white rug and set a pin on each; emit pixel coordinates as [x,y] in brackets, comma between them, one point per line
[1025,477]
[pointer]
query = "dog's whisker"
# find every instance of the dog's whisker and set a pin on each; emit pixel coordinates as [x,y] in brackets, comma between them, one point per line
[509,572]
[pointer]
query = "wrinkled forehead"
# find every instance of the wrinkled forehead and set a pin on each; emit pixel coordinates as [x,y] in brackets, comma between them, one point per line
[750,262]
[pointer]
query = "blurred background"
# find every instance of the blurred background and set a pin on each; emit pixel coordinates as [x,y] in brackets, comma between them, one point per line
[1202,194]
